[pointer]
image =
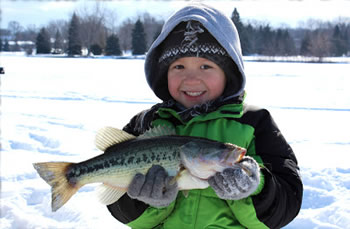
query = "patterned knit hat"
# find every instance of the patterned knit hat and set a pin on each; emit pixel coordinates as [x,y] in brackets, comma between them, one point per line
[191,39]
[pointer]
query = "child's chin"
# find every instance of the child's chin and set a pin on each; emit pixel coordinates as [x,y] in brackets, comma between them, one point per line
[192,104]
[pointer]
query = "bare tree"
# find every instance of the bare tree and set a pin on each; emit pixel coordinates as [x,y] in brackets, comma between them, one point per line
[61,27]
[152,26]
[124,34]
[111,22]
[92,27]
[320,45]
[27,34]
[58,25]
[15,28]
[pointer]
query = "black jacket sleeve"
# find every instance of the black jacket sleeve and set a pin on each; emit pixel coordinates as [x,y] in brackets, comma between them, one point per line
[126,209]
[280,200]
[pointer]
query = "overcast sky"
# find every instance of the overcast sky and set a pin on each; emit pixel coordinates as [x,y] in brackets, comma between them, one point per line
[276,12]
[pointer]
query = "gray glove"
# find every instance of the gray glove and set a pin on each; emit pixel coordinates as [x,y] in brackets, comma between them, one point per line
[154,188]
[237,182]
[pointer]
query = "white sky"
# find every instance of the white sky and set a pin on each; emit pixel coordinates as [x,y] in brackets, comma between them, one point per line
[276,12]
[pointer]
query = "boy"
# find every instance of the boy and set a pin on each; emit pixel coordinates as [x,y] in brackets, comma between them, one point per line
[195,66]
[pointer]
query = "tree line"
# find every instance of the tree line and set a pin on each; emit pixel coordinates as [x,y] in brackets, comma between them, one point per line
[88,31]
[318,39]
[95,33]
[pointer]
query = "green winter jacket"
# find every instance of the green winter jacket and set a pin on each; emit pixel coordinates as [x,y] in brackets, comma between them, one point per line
[202,208]
[273,205]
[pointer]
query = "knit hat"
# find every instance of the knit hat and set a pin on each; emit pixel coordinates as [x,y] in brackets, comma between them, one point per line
[191,39]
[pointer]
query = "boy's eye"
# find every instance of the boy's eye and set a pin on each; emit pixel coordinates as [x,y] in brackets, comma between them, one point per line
[179,66]
[205,66]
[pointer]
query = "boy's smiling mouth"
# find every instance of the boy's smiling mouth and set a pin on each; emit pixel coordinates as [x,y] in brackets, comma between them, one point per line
[194,93]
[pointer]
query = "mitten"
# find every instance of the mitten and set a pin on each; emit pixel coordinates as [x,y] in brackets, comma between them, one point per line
[237,182]
[155,188]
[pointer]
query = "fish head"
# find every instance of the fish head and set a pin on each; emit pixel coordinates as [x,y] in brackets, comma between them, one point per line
[204,160]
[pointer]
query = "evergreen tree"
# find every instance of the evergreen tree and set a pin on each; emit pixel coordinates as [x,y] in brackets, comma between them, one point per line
[284,44]
[266,41]
[6,46]
[138,39]
[289,44]
[244,37]
[112,46]
[43,44]
[74,44]
[96,49]
[339,41]
[1,44]
[251,33]
[58,44]
[279,45]
[306,44]
[236,19]
[156,34]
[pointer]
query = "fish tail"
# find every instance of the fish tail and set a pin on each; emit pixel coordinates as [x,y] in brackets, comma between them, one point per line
[54,173]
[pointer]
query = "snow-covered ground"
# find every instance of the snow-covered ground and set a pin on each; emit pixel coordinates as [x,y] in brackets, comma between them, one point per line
[51,109]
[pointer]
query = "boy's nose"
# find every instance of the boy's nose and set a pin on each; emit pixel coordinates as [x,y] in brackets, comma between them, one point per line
[191,78]
[191,75]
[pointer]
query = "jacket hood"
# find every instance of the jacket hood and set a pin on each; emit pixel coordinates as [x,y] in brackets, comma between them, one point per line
[217,24]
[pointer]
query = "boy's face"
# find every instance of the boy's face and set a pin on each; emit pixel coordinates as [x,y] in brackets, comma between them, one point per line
[195,80]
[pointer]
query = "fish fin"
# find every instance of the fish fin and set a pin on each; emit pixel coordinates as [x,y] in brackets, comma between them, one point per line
[185,193]
[179,173]
[241,155]
[238,153]
[186,181]
[54,173]
[108,194]
[162,130]
[109,136]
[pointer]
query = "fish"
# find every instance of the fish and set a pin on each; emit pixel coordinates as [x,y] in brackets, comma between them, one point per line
[190,160]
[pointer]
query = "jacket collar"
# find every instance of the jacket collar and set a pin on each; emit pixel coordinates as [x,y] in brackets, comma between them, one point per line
[219,108]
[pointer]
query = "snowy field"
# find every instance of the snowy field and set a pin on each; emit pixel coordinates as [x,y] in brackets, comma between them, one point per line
[51,109]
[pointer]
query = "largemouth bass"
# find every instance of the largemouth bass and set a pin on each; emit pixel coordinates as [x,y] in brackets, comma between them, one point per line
[191,160]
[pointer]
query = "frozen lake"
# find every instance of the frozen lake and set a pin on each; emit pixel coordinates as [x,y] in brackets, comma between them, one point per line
[51,109]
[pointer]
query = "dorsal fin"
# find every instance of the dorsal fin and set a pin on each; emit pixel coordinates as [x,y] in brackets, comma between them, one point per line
[158,131]
[109,136]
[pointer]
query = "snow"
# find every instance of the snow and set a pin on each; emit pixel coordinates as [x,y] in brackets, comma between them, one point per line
[51,109]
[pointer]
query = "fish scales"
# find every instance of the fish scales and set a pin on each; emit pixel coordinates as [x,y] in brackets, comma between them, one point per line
[136,155]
